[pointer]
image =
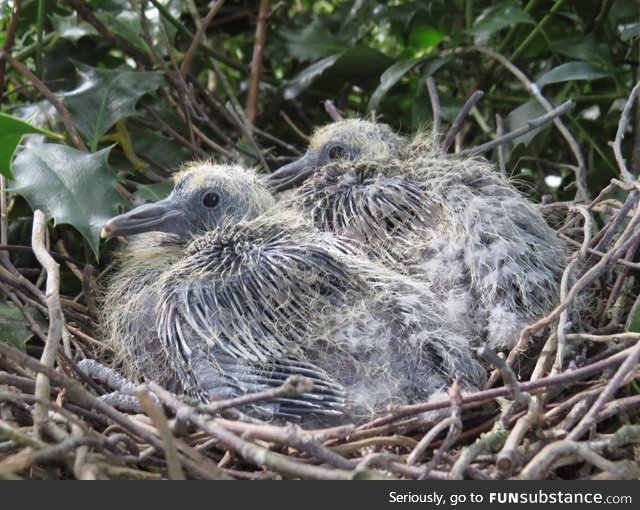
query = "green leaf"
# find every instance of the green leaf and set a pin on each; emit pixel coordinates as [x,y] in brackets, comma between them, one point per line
[521,117]
[13,327]
[126,22]
[572,71]
[105,96]
[306,77]
[12,129]
[360,65]
[630,31]
[155,192]
[312,43]
[434,65]
[70,186]
[425,36]
[585,48]
[634,326]
[498,17]
[389,78]
[72,28]
[127,25]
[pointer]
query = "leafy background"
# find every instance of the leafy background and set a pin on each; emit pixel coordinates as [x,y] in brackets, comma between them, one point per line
[137,94]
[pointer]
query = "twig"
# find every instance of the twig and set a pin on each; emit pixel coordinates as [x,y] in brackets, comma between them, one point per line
[332,110]
[604,338]
[597,253]
[256,61]
[512,135]
[562,321]
[166,128]
[250,451]
[566,377]
[295,128]
[197,38]
[293,386]
[454,429]
[160,421]
[504,460]
[10,32]
[4,213]
[85,11]
[616,407]
[590,419]
[247,132]
[629,236]
[542,462]
[627,176]
[428,438]
[492,440]
[459,120]
[501,160]
[291,435]
[509,378]
[44,90]
[190,458]
[618,287]
[56,318]
[534,90]
[435,105]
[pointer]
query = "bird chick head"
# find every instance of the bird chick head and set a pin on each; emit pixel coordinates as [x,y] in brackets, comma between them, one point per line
[345,140]
[205,195]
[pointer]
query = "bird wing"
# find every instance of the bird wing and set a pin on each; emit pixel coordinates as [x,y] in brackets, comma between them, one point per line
[252,300]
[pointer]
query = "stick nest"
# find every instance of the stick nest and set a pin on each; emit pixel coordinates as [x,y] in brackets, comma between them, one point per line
[562,405]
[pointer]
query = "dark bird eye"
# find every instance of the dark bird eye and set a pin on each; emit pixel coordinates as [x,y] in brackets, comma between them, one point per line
[337,151]
[210,199]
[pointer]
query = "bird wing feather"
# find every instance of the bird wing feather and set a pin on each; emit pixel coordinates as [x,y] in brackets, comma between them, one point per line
[248,302]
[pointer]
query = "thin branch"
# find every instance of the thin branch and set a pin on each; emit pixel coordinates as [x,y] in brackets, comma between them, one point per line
[501,159]
[293,386]
[247,132]
[256,61]
[512,135]
[56,318]
[590,419]
[567,377]
[435,105]
[332,110]
[534,90]
[160,421]
[543,461]
[85,11]
[295,128]
[197,38]
[44,90]
[509,378]
[622,127]
[10,33]
[459,120]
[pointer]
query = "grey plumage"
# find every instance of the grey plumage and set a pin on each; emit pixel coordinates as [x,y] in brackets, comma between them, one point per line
[233,295]
[454,222]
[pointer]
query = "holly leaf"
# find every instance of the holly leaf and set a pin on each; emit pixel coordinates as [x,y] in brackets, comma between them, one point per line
[71,27]
[70,186]
[12,129]
[571,71]
[105,96]
[13,327]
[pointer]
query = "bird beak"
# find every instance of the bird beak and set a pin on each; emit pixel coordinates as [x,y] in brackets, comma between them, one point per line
[163,216]
[293,174]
